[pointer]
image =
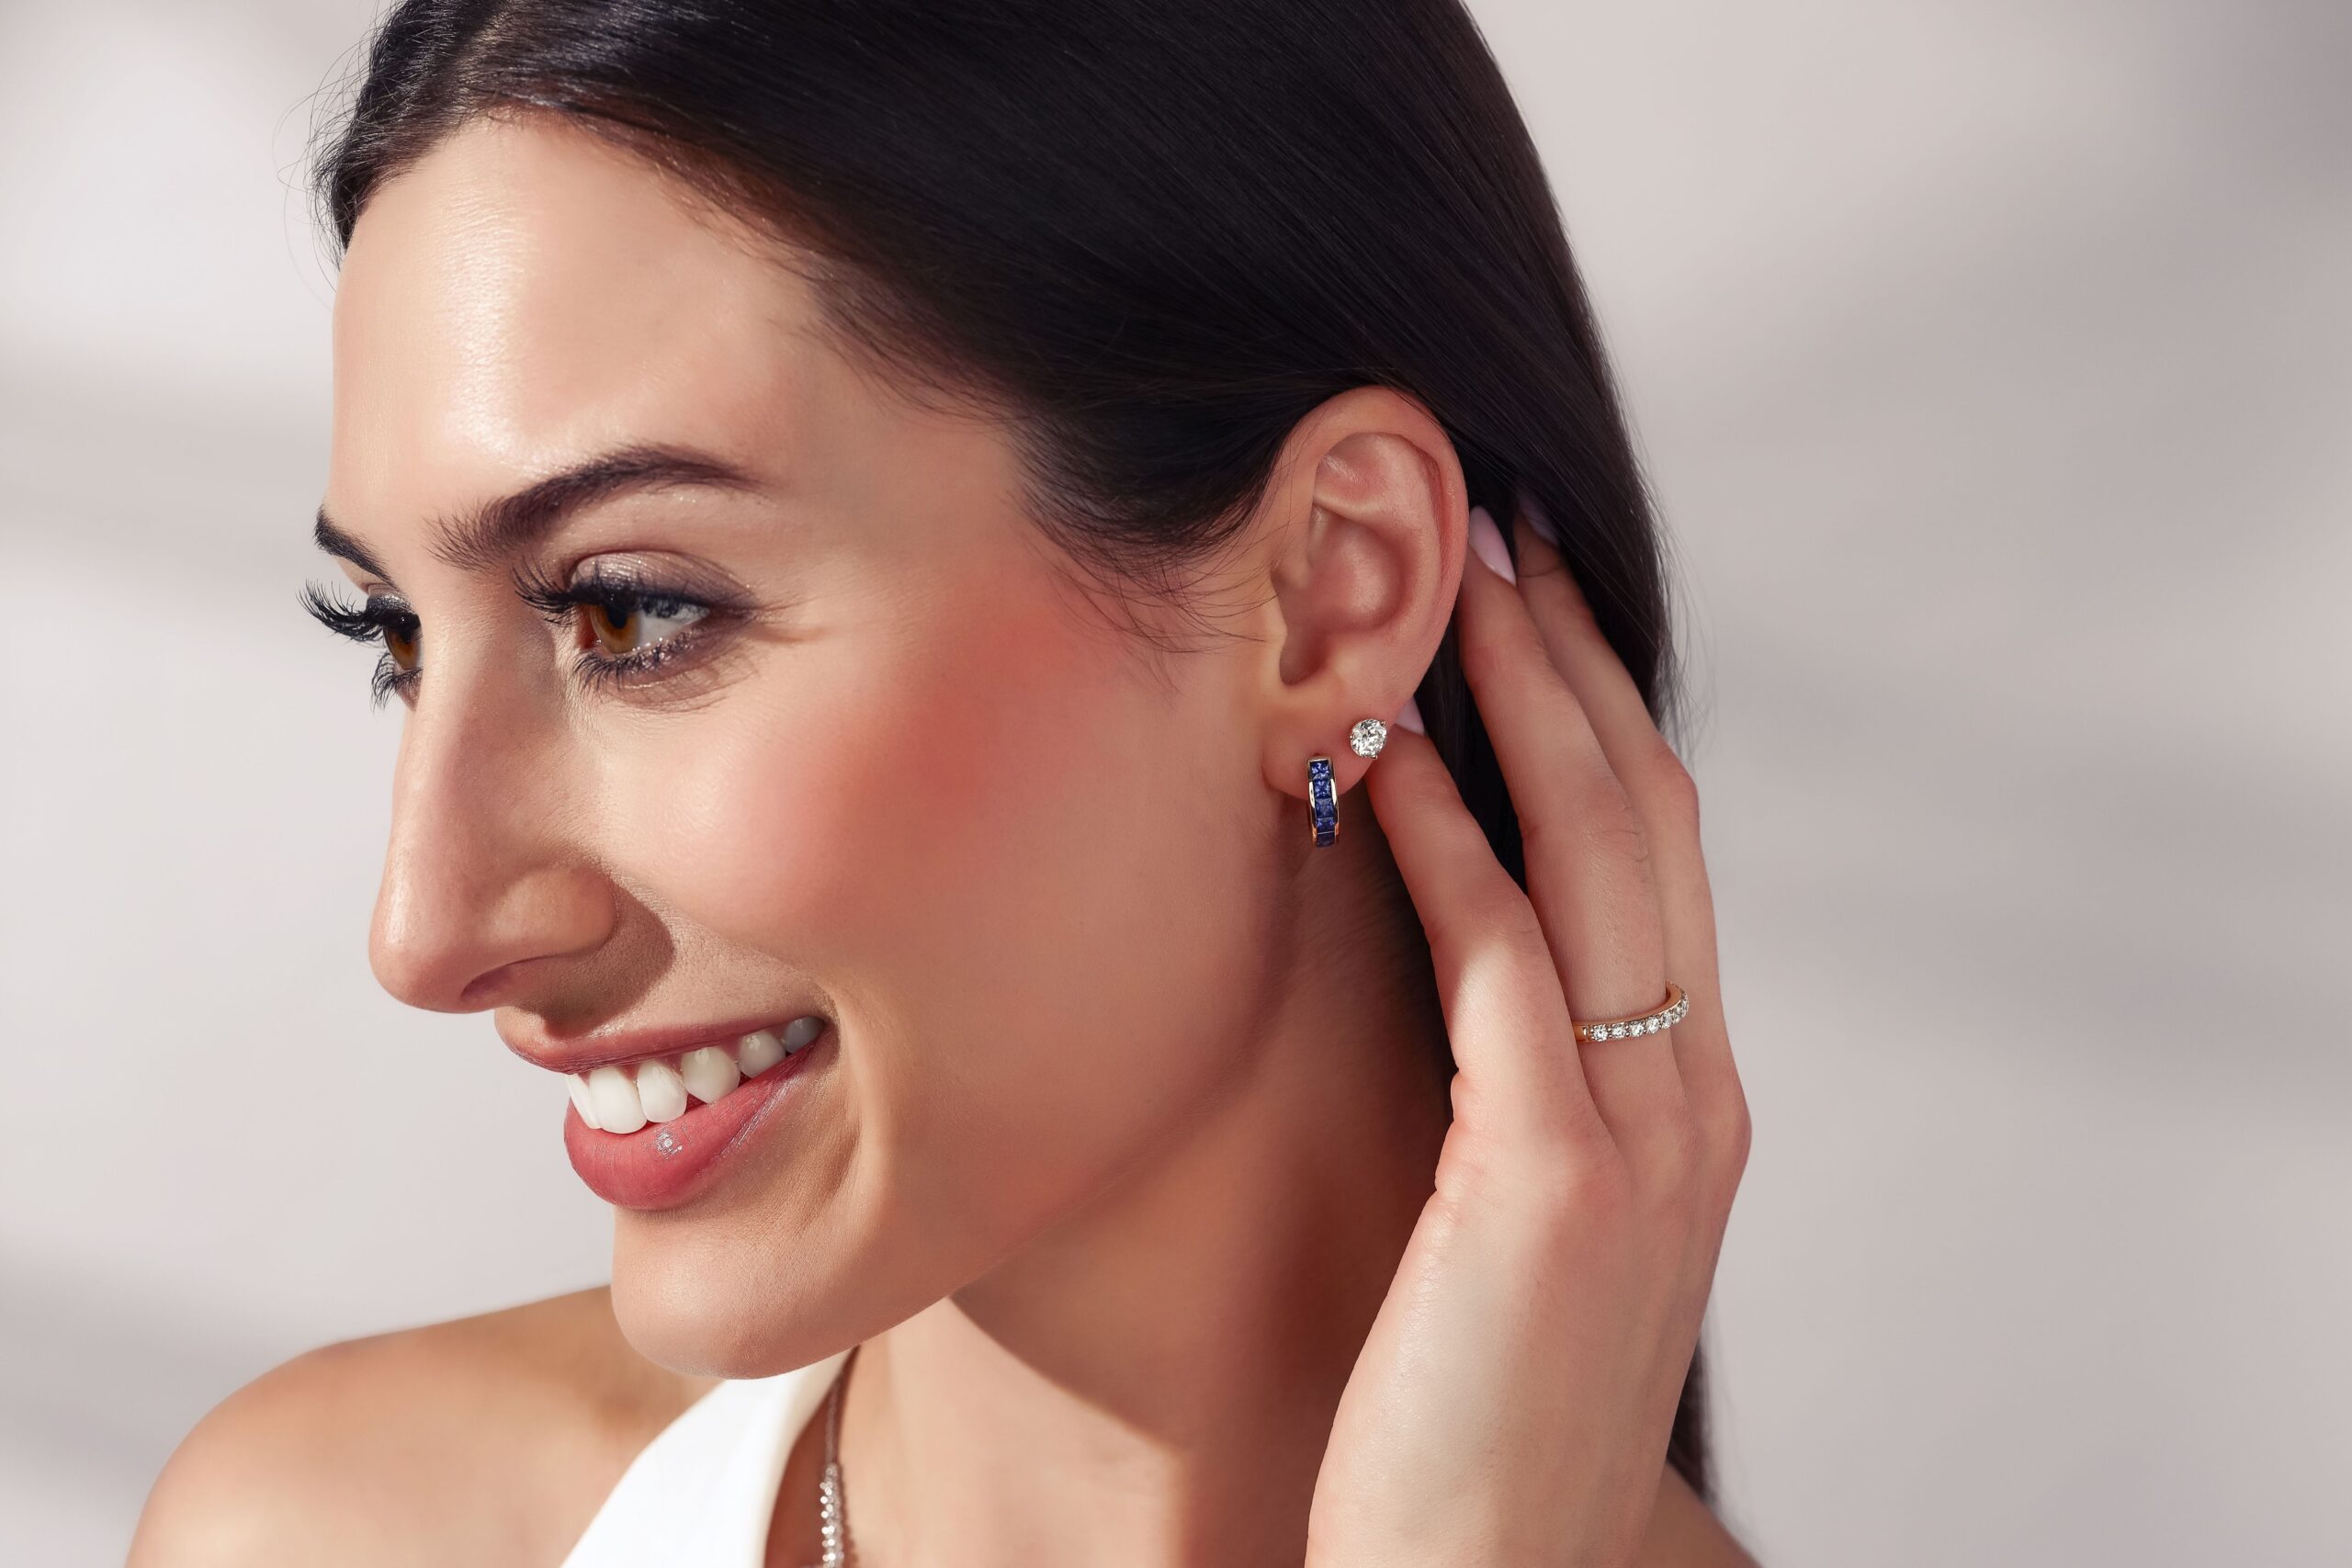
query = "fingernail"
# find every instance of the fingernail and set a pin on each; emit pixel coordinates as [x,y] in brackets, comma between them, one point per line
[1537,518]
[1487,540]
[1410,715]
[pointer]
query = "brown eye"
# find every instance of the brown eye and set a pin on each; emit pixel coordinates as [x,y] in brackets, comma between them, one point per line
[631,624]
[615,639]
[400,643]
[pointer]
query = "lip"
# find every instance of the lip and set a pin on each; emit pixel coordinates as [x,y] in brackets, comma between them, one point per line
[641,1170]
[584,1053]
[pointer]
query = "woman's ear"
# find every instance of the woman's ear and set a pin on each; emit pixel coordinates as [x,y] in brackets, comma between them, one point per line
[1364,527]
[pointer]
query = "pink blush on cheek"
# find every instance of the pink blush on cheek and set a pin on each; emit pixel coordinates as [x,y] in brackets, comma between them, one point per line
[777,836]
[874,793]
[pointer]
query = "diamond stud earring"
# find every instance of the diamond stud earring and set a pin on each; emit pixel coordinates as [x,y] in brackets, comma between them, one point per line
[1322,794]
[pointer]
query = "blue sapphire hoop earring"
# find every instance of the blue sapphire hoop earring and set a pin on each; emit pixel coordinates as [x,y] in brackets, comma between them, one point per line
[1322,801]
[1322,796]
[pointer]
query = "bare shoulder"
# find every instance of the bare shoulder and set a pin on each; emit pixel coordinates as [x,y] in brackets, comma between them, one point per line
[485,1439]
[1685,1532]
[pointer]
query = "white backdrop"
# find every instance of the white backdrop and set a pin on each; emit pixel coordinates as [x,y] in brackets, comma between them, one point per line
[1993,363]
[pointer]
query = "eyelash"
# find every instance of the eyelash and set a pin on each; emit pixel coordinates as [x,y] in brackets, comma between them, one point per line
[369,623]
[618,592]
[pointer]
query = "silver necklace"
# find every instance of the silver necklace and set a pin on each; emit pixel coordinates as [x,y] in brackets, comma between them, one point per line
[832,1510]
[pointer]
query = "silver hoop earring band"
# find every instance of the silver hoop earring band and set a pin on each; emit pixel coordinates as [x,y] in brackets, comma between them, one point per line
[1665,1015]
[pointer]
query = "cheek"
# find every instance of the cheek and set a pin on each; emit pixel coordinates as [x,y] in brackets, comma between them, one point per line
[870,790]
[995,844]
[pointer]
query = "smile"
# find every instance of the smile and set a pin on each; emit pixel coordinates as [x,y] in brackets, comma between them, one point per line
[612,1099]
[657,1132]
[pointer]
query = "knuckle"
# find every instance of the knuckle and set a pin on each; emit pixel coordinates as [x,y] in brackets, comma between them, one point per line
[1565,1180]
[1513,929]
[1612,830]
[1590,1181]
[1612,839]
[1731,1132]
[1671,781]
[1598,823]
[1504,943]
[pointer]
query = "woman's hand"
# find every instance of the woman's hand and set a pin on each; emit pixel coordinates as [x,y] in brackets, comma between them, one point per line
[1512,1404]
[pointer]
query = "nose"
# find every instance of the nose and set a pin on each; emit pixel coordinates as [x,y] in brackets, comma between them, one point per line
[482,877]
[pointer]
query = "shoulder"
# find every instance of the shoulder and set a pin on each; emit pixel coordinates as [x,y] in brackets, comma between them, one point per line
[1685,1533]
[486,1439]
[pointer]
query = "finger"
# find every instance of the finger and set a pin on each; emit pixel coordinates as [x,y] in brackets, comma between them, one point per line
[1588,871]
[1662,796]
[1512,1040]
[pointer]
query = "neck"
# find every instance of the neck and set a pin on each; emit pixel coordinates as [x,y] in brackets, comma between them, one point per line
[1153,1381]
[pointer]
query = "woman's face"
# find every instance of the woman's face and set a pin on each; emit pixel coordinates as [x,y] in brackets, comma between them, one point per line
[894,769]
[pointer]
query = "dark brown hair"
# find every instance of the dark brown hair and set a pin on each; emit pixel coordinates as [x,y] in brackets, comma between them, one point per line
[1154,237]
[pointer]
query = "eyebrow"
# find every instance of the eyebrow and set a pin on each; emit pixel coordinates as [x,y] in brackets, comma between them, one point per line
[498,530]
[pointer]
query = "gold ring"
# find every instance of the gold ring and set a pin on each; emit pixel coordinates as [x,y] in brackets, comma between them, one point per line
[1665,1015]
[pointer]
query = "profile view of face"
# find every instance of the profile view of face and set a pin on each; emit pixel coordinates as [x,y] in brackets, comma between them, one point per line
[823,728]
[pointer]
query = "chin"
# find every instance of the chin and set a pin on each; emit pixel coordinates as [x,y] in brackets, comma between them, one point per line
[743,1283]
[721,1322]
[757,1287]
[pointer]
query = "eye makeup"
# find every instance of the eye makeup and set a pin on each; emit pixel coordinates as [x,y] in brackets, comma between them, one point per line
[614,611]
[601,605]
[381,619]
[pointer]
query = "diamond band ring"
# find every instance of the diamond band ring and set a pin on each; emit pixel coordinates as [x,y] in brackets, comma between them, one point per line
[1665,1015]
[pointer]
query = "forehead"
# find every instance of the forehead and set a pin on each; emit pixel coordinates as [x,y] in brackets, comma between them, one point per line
[524,292]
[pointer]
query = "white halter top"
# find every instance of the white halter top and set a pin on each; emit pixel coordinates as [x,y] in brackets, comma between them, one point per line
[702,1494]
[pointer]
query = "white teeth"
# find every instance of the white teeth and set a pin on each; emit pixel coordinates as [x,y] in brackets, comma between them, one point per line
[582,1100]
[618,1108]
[610,1101]
[759,1051]
[709,1072]
[661,1091]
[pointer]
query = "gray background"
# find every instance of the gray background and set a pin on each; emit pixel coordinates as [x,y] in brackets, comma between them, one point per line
[1993,361]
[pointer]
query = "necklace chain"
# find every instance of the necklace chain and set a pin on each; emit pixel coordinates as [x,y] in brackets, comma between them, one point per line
[832,1506]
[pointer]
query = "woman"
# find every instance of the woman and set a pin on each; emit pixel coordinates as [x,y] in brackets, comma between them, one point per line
[888,517]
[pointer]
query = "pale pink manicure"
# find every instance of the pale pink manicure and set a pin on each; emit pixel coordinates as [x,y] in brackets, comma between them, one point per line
[1487,540]
[1410,715]
[1537,518]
